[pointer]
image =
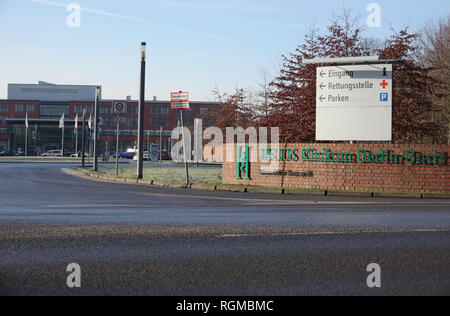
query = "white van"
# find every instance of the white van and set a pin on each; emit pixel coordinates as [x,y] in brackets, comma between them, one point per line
[53,153]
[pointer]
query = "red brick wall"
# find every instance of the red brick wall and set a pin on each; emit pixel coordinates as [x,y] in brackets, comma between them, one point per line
[354,176]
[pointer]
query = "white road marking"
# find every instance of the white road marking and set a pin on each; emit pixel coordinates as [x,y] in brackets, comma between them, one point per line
[250,202]
[336,233]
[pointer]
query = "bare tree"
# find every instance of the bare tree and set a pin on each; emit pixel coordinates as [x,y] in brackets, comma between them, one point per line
[373,45]
[434,52]
[264,94]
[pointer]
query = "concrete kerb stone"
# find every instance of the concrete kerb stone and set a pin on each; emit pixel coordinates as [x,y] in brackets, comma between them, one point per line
[250,189]
[436,196]
[290,191]
[355,194]
[398,195]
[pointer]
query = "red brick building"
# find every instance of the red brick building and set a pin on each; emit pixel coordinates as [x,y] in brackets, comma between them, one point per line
[44,133]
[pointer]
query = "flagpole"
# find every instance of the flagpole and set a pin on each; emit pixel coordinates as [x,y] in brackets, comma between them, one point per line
[26,142]
[26,135]
[96,117]
[62,141]
[76,142]
[61,125]
[36,139]
[76,136]
[83,139]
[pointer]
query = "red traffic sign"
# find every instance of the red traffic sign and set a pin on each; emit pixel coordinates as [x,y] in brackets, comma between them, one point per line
[119,107]
[179,101]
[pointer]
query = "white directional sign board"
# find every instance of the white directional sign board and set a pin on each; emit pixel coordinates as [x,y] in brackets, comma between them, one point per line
[354,103]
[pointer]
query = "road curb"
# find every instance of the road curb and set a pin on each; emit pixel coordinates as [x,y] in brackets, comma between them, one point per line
[249,189]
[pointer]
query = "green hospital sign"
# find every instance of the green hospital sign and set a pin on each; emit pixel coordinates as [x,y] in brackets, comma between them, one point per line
[243,162]
[386,156]
[362,156]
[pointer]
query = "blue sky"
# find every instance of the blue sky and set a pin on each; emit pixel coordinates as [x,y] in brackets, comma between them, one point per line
[193,45]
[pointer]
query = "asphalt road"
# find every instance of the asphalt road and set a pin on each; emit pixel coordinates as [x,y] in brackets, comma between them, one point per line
[139,240]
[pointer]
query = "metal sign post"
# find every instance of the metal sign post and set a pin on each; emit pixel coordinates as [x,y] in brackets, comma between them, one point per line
[180,101]
[148,146]
[117,146]
[119,107]
[160,144]
[186,165]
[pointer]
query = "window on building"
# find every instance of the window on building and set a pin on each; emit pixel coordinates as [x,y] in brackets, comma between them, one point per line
[189,112]
[78,109]
[19,108]
[159,122]
[132,122]
[31,108]
[154,110]
[165,111]
[131,110]
[203,111]
[106,121]
[4,108]
[104,110]
[53,111]
[189,123]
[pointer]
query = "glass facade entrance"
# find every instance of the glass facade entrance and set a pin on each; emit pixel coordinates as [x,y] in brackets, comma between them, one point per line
[42,138]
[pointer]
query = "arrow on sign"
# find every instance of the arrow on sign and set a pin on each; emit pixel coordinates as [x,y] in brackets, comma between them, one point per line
[322,85]
[322,73]
[322,98]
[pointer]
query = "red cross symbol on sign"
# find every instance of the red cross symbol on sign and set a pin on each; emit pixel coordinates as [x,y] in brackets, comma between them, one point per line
[384,84]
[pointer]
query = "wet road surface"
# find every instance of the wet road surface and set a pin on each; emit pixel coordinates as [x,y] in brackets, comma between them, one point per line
[132,239]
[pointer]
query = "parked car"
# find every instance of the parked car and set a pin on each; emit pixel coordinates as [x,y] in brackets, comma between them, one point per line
[127,155]
[145,155]
[79,154]
[7,154]
[53,153]
[164,155]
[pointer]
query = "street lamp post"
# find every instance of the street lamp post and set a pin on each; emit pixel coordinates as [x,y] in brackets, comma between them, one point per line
[140,163]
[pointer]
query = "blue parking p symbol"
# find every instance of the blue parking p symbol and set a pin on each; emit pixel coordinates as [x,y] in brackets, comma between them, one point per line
[384,97]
